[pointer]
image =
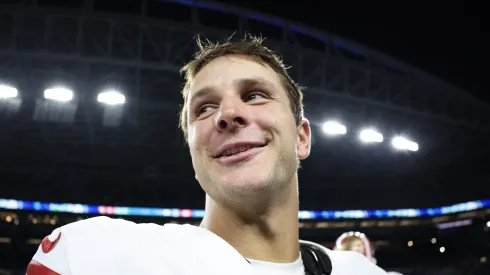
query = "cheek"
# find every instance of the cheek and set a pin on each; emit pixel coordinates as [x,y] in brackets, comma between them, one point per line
[276,118]
[193,139]
[198,135]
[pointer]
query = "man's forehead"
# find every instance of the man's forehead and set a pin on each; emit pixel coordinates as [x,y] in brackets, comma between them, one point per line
[230,71]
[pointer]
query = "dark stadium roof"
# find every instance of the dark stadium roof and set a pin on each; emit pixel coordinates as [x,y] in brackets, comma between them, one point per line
[448,40]
[88,45]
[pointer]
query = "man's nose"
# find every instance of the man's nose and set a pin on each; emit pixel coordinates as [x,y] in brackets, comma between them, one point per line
[231,116]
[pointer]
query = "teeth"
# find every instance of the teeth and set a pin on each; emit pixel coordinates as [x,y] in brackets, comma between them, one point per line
[237,150]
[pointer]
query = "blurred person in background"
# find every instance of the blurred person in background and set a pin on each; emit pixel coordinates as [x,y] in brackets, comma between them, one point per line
[358,242]
[243,120]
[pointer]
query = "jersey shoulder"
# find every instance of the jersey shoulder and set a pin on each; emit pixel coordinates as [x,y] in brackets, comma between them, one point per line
[97,225]
[83,238]
[354,263]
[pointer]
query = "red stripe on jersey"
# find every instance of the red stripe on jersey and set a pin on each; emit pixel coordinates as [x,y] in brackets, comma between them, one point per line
[48,245]
[36,268]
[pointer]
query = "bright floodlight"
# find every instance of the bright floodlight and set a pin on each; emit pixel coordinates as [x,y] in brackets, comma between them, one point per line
[334,128]
[370,135]
[111,98]
[433,240]
[402,143]
[442,249]
[8,92]
[58,94]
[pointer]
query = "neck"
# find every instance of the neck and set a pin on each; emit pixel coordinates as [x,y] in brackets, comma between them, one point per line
[269,235]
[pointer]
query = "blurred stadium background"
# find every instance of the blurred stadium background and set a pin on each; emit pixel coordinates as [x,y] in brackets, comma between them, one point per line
[68,152]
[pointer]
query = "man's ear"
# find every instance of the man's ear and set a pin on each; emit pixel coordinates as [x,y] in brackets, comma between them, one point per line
[304,139]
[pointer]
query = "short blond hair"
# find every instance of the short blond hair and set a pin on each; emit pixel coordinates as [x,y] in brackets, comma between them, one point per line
[251,46]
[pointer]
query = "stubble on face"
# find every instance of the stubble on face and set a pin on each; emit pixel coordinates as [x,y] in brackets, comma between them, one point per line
[267,118]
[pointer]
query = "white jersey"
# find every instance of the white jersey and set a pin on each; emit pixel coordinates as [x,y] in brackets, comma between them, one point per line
[104,246]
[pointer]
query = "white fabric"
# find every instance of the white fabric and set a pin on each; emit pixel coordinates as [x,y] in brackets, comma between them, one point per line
[58,257]
[267,268]
[117,247]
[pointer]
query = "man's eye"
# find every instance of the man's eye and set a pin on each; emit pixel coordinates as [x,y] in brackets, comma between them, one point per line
[255,95]
[205,109]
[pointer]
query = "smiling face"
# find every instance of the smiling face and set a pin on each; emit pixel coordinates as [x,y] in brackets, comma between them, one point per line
[242,134]
[358,246]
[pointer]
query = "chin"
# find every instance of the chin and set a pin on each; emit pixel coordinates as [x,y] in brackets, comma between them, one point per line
[244,180]
[247,185]
[250,172]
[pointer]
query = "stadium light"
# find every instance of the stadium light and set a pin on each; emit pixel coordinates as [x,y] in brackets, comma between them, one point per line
[9,100]
[433,240]
[58,106]
[58,94]
[111,97]
[334,128]
[370,135]
[442,249]
[113,109]
[7,92]
[402,143]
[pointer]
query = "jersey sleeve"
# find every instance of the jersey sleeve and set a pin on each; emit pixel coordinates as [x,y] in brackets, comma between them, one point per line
[350,262]
[51,256]
[364,265]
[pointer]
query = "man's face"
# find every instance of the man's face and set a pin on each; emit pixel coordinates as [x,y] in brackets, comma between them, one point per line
[242,134]
[358,246]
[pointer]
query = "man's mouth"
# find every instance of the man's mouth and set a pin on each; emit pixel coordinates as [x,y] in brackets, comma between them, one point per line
[236,149]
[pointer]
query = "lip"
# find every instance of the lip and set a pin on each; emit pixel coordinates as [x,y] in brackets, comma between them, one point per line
[242,156]
[228,146]
[256,147]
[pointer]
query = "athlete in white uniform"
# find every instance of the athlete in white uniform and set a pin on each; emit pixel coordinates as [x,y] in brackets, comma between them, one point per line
[243,120]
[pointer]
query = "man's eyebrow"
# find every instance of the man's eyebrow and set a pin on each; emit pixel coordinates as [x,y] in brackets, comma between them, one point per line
[240,84]
[251,82]
[203,92]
